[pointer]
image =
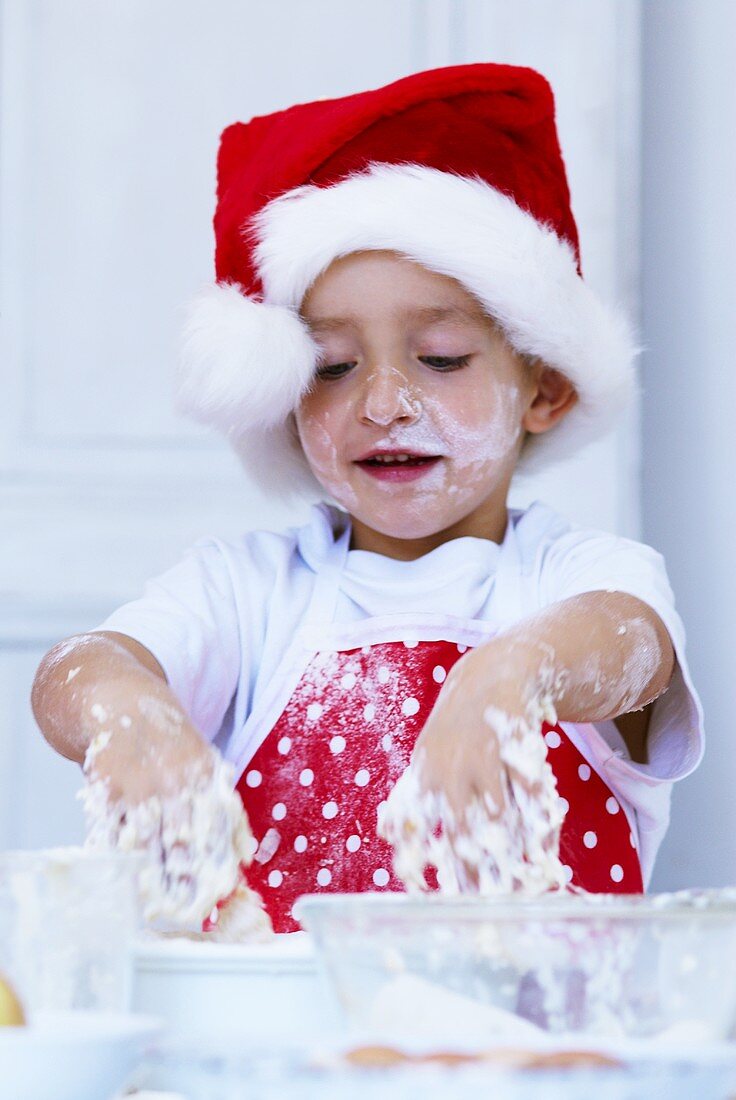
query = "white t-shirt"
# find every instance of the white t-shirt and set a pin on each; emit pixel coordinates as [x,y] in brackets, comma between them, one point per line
[219,623]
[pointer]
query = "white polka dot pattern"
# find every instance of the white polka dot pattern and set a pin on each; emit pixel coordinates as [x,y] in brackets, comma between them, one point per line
[343,740]
[253,778]
[617,872]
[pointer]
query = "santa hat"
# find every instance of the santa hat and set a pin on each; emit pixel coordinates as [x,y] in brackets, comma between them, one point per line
[458,169]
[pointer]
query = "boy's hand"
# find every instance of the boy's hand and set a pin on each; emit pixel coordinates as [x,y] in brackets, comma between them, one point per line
[157,788]
[458,752]
[479,800]
[144,746]
[596,657]
[154,785]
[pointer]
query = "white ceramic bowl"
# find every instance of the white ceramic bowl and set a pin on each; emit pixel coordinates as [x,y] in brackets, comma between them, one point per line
[272,991]
[72,1055]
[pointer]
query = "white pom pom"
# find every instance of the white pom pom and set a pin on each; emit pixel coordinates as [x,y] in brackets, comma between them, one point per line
[244,363]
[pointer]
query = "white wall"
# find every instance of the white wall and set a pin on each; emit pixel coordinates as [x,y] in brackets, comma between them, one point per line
[110,114]
[689,324]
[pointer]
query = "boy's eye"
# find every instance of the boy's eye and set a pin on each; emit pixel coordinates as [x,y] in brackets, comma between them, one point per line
[445,362]
[333,370]
[436,362]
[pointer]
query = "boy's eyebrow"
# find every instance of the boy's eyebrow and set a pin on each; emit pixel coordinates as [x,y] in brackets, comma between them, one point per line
[427,314]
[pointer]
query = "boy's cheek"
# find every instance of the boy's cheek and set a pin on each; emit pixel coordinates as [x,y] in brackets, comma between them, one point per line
[315,436]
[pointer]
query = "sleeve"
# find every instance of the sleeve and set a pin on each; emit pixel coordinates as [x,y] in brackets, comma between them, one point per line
[588,561]
[187,618]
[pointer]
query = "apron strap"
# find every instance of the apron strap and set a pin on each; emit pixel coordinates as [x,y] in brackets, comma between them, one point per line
[321,609]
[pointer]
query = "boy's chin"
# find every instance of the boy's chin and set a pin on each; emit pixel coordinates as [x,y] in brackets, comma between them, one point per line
[403,527]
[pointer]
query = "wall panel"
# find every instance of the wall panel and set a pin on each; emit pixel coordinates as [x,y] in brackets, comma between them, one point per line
[109,119]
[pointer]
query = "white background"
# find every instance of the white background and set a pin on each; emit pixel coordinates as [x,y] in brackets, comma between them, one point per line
[108,134]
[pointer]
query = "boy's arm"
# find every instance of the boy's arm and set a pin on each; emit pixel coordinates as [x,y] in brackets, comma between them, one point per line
[597,656]
[105,681]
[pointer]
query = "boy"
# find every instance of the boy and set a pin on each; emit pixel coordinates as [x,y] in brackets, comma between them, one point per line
[399,321]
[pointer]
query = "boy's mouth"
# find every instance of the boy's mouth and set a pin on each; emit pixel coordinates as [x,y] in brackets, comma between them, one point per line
[396,465]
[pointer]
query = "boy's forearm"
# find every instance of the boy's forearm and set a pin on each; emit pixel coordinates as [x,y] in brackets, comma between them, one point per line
[598,656]
[88,681]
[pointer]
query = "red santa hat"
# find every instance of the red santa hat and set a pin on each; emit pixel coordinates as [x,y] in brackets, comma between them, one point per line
[458,169]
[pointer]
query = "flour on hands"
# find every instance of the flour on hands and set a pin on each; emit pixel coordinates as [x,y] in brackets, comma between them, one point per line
[194,841]
[512,848]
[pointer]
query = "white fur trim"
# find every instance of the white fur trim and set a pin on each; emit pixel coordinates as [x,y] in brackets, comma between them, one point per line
[274,458]
[523,274]
[244,364]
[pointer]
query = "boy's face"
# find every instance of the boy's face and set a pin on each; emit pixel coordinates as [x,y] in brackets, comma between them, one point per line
[411,365]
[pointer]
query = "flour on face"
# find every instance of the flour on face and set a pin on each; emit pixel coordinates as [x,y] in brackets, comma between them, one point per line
[468,415]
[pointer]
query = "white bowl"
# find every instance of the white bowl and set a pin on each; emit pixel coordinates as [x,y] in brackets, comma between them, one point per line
[269,991]
[73,1055]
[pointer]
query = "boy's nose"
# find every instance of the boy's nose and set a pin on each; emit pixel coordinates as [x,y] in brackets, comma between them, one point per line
[387,397]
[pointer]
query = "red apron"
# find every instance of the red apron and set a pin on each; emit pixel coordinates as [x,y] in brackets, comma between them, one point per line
[346,721]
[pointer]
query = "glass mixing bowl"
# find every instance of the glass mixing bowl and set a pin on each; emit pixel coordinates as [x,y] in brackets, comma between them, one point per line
[471,970]
[68,918]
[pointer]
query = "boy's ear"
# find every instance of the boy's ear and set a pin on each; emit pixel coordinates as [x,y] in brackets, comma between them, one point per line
[554,397]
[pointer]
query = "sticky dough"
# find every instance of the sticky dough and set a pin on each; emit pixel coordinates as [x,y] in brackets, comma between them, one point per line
[192,845]
[511,849]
